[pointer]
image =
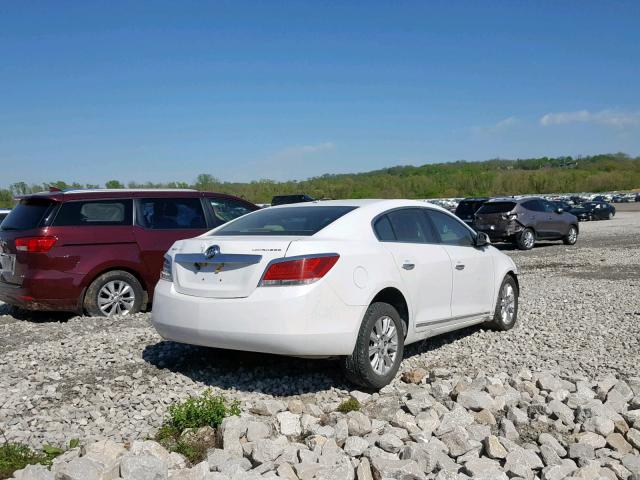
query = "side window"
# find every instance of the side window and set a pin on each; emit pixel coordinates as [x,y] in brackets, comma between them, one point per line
[383,230]
[409,226]
[450,230]
[170,213]
[548,206]
[535,205]
[225,209]
[95,213]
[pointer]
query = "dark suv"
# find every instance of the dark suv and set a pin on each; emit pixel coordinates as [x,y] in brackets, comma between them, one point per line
[100,251]
[525,220]
[468,207]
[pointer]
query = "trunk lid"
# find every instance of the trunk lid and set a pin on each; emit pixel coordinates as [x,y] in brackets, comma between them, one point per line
[233,272]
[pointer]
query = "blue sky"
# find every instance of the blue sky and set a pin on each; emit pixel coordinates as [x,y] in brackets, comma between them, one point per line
[91,91]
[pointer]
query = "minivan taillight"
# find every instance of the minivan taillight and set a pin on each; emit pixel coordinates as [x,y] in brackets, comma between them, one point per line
[35,244]
[301,271]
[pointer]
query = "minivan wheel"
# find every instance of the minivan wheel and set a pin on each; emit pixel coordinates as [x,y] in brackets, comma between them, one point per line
[114,293]
[379,348]
[526,239]
[506,312]
[572,236]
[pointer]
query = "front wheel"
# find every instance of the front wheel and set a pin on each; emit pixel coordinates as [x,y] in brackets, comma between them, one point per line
[379,348]
[114,293]
[526,239]
[610,215]
[572,236]
[506,312]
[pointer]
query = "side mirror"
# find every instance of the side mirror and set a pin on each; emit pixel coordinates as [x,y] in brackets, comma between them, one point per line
[559,210]
[482,240]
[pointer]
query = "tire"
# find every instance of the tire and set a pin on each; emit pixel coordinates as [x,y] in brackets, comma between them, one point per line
[572,236]
[526,239]
[118,282]
[501,321]
[610,216]
[358,367]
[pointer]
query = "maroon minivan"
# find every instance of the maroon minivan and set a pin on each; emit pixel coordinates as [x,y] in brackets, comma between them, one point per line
[100,251]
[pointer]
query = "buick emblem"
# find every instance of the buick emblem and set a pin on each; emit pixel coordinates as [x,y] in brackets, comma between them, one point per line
[212,251]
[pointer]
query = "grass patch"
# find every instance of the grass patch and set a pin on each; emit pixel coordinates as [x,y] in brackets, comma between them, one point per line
[349,405]
[16,456]
[206,410]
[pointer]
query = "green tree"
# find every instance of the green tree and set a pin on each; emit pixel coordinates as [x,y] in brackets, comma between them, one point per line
[113,184]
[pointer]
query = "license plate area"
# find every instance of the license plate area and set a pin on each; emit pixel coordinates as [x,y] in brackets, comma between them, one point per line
[7,263]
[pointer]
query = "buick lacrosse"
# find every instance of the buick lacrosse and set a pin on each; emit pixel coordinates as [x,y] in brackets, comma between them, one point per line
[358,279]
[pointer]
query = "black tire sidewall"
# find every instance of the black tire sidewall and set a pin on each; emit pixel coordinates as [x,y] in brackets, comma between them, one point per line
[357,366]
[497,322]
[91,295]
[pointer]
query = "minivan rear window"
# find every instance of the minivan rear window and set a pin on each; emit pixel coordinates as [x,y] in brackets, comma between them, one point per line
[28,213]
[285,221]
[496,207]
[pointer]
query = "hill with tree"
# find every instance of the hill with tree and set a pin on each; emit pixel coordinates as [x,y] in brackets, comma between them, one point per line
[597,173]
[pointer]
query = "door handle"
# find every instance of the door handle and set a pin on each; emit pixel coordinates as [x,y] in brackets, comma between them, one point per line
[408,266]
[460,266]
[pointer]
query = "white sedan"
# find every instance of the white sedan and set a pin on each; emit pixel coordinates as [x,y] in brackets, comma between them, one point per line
[359,279]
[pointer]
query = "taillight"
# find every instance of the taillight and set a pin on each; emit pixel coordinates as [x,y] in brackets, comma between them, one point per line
[35,244]
[166,273]
[301,271]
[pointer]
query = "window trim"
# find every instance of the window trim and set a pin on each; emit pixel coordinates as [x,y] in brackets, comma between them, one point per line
[51,222]
[138,200]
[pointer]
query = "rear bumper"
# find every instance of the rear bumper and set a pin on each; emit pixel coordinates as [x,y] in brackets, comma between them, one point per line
[499,233]
[47,290]
[306,321]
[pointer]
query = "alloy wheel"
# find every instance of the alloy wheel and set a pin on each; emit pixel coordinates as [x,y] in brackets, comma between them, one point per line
[528,239]
[116,298]
[507,304]
[383,345]
[573,235]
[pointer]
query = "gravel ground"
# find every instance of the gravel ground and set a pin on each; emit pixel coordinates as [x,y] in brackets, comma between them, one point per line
[93,378]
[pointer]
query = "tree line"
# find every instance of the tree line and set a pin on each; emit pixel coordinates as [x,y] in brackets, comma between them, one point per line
[597,173]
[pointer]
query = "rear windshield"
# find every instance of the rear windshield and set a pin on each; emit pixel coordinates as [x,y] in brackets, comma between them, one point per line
[468,207]
[285,221]
[496,207]
[29,213]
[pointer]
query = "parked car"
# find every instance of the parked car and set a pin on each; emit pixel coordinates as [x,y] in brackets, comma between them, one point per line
[522,221]
[289,199]
[467,208]
[594,211]
[100,251]
[637,197]
[3,214]
[357,279]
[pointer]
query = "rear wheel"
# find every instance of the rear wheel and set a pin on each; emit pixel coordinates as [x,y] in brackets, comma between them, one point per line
[379,348]
[114,293]
[506,312]
[572,236]
[526,239]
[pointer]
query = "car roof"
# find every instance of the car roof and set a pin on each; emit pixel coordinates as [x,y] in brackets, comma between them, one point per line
[514,199]
[380,204]
[475,199]
[80,194]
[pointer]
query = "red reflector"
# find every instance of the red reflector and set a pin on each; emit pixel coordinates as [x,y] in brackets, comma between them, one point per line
[35,244]
[304,270]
